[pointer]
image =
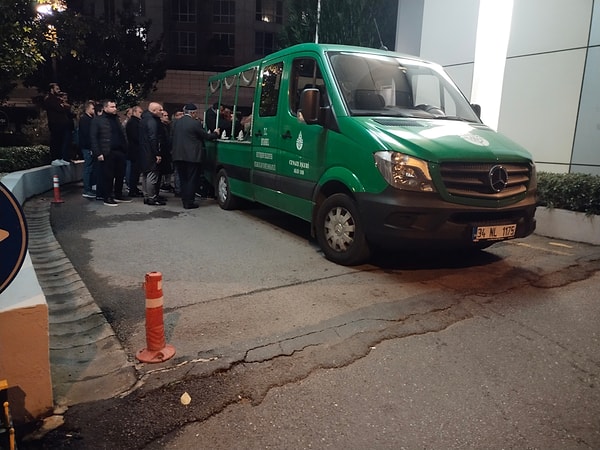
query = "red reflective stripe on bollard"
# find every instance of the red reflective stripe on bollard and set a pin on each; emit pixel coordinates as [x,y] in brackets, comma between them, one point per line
[155,329]
[154,285]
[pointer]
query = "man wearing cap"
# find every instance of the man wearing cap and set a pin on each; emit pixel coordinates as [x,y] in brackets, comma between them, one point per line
[188,151]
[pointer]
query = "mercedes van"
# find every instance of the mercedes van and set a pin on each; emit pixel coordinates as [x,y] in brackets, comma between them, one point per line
[373,148]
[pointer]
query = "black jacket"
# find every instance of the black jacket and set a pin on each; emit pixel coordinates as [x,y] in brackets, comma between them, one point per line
[85,124]
[132,129]
[101,135]
[153,141]
[188,140]
[58,113]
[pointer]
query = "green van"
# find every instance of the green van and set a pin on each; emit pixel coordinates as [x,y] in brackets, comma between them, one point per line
[372,148]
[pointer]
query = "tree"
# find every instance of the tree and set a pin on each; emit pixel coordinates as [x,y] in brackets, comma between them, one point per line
[350,22]
[95,59]
[20,53]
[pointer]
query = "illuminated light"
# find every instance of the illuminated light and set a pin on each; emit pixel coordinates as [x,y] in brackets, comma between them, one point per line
[493,32]
[46,8]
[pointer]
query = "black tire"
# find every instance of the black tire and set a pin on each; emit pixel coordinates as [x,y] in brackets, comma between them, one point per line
[223,194]
[340,232]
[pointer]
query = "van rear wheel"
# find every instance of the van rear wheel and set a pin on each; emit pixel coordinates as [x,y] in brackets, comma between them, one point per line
[340,232]
[224,197]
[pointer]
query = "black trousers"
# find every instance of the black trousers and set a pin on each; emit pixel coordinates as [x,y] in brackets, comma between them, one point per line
[60,142]
[189,177]
[113,173]
[134,176]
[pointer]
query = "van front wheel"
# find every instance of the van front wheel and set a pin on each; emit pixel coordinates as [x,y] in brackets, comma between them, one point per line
[340,232]
[226,200]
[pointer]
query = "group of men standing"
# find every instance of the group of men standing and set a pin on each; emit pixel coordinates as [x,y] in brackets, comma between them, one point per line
[144,142]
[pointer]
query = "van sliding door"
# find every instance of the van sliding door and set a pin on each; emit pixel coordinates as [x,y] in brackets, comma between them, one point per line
[266,137]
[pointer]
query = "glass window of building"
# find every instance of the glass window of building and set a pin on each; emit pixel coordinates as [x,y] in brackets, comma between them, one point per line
[184,42]
[224,11]
[225,43]
[269,11]
[183,10]
[264,43]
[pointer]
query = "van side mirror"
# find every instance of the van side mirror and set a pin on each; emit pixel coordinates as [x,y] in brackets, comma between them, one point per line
[476,109]
[310,105]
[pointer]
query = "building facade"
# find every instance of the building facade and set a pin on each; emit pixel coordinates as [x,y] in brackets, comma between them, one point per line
[540,85]
[200,37]
[211,35]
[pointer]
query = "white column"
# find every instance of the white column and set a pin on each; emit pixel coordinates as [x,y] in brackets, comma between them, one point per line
[493,32]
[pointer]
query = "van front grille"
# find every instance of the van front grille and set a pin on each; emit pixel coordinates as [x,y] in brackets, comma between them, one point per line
[494,181]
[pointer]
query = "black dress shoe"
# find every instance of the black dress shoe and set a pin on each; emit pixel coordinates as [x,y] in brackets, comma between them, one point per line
[154,202]
[190,206]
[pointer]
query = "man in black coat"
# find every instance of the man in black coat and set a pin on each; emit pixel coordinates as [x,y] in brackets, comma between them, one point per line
[109,145]
[188,148]
[153,142]
[85,145]
[132,129]
[60,124]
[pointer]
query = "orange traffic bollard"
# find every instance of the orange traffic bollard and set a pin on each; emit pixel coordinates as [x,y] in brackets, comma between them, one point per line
[56,185]
[157,350]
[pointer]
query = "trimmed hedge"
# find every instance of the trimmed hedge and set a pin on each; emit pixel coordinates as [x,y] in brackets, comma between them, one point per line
[13,159]
[577,192]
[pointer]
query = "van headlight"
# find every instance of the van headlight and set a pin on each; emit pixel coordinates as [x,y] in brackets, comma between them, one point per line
[404,172]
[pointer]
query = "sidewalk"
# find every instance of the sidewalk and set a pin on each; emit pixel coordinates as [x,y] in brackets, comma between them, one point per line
[76,354]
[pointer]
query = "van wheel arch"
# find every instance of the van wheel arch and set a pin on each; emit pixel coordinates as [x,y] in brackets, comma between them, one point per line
[225,198]
[340,231]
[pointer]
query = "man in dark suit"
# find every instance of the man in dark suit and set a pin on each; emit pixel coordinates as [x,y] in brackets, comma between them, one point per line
[211,117]
[132,129]
[188,146]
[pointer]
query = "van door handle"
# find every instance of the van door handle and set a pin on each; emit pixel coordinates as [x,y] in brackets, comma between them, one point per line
[287,135]
[258,133]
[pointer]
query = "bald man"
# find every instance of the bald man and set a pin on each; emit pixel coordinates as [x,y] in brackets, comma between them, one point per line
[153,141]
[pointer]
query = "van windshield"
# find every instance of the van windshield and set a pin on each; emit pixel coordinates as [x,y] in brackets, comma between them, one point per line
[380,85]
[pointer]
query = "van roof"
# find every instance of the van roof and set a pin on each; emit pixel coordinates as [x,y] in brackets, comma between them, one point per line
[318,48]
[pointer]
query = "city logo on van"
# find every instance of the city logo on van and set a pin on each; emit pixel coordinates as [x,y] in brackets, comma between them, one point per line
[474,139]
[299,142]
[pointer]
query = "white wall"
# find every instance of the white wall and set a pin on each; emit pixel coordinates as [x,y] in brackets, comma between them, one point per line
[439,31]
[543,78]
[449,31]
[550,99]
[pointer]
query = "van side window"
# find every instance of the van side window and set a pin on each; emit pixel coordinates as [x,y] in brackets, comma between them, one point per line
[305,74]
[269,94]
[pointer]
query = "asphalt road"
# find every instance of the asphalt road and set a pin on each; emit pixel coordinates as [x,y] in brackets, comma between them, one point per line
[279,348]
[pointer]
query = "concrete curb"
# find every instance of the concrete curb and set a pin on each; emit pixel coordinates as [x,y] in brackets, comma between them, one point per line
[77,357]
[568,225]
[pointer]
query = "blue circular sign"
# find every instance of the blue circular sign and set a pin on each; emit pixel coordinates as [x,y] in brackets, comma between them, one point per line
[13,237]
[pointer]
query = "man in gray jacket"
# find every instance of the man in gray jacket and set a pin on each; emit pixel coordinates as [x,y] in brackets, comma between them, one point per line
[188,149]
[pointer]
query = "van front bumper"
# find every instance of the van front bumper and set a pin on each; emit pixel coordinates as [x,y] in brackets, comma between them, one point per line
[411,219]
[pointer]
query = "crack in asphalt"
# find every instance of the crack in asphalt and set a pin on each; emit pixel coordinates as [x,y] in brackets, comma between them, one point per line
[267,289]
[148,416]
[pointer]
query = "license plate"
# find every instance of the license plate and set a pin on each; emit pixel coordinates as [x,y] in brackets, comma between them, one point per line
[494,233]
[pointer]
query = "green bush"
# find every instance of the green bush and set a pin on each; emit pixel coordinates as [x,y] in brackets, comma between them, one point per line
[13,159]
[572,191]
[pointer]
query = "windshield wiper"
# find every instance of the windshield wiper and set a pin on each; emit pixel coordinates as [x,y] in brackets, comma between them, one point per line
[457,118]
